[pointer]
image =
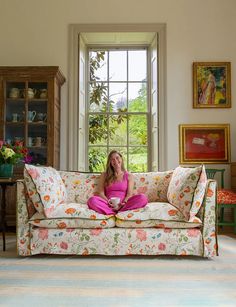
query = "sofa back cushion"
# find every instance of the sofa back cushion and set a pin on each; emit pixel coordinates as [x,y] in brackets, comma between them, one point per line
[50,188]
[79,186]
[182,187]
[153,184]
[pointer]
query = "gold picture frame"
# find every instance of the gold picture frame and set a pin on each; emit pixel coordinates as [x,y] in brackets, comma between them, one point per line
[209,143]
[211,85]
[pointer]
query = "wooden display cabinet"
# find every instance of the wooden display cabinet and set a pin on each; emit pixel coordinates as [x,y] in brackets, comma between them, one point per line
[30,112]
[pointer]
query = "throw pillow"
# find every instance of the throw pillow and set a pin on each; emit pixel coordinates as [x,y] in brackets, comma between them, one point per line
[182,187]
[199,193]
[33,193]
[49,186]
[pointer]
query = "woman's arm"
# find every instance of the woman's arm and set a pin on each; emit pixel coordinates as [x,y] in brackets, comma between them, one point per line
[130,187]
[101,187]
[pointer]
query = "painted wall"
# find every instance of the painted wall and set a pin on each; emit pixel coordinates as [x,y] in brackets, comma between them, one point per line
[35,32]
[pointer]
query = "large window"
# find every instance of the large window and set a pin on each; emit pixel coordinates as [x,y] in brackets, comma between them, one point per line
[117,95]
[118,109]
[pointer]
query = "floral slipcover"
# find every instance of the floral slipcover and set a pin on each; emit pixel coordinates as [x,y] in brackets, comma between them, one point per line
[166,233]
[50,188]
[186,190]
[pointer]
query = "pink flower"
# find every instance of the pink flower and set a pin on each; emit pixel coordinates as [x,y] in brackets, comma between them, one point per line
[33,173]
[95,231]
[43,233]
[162,246]
[141,234]
[64,245]
[193,232]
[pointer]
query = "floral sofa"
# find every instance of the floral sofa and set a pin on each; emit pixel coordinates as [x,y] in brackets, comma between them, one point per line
[53,217]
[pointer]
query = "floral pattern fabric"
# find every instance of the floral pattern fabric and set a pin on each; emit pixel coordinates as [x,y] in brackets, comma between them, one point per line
[79,186]
[182,187]
[152,239]
[225,196]
[23,228]
[199,193]
[153,184]
[78,222]
[49,186]
[33,194]
[161,215]
[117,241]
[209,221]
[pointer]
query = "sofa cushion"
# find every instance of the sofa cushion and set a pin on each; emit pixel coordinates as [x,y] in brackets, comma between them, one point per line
[182,188]
[153,184]
[83,221]
[157,214]
[49,185]
[33,193]
[79,186]
[199,193]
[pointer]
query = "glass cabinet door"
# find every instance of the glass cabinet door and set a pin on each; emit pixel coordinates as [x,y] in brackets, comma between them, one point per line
[26,116]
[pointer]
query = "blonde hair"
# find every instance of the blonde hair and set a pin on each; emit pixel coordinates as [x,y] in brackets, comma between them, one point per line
[110,172]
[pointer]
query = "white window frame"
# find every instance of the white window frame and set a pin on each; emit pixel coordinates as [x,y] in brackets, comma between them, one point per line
[147,113]
[73,103]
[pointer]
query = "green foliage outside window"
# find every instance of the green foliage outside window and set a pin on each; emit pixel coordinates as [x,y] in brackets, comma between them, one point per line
[103,126]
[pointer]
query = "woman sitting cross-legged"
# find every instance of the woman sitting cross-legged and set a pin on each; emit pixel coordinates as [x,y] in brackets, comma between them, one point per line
[116,182]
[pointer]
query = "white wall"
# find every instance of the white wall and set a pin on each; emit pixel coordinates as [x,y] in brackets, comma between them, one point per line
[35,32]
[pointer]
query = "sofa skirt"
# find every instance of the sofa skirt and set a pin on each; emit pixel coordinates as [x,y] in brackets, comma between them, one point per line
[116,241]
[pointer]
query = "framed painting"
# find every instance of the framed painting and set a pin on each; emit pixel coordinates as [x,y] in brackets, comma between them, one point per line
[211,85]
[204,144]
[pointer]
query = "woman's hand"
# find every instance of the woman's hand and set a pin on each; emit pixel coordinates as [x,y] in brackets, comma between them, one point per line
[123,203]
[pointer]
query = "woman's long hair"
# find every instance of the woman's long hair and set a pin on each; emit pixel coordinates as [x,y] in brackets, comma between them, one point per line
[110,172]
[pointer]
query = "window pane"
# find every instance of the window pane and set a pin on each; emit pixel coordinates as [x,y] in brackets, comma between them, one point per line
[137,65]
[137,97]
[138,159]
[98,65]
[118,97]
[97,97]
[138,130]
[97,159]
[118,129]
[117,65]
[123,151]
[97,129]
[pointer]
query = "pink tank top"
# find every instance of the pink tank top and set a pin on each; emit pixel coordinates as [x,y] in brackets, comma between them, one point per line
[118,188]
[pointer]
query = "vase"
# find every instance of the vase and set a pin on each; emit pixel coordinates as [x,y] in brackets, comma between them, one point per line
[6,170]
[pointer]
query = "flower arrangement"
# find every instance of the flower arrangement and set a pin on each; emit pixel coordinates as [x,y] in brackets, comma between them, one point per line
[12,154]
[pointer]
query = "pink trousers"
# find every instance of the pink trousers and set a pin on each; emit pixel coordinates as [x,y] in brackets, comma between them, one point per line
[102,206]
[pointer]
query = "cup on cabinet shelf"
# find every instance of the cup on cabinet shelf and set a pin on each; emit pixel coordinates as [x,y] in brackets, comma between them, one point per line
[29,93]
[30,141]
[43,93]
[15,117]
[31,115]
[14,92]
[42,117]
[38,141]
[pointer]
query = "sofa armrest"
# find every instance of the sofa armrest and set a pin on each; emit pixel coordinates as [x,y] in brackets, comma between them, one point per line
[22,225]
[209,219]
